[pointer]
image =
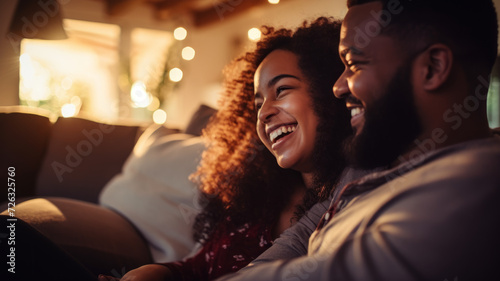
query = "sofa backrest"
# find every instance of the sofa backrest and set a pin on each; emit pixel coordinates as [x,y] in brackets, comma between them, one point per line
[68,157]
[82,156]
[23,142]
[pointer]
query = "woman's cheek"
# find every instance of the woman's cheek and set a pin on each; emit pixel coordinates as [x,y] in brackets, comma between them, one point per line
[262,134]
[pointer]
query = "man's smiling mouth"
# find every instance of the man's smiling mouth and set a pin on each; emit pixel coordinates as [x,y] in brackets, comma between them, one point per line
[354,105]
[356,111]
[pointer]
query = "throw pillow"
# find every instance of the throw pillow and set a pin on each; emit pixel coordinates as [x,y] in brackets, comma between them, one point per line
[154,192]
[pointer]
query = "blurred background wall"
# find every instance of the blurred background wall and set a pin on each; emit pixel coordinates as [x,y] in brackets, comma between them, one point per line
[122,67]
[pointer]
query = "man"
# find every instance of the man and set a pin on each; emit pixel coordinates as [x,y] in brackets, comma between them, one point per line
[415,82]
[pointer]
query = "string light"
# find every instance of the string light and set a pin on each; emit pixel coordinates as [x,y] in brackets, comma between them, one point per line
[254,34]
[159,116]
[140,97]
[175,74]
[180,33]
[68,110]
[188,53]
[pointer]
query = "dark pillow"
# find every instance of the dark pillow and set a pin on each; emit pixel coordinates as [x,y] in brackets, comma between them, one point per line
[82,157]
[22,146]
[200,120]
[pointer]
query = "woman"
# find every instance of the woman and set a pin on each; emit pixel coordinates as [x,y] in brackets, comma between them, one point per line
[282,100]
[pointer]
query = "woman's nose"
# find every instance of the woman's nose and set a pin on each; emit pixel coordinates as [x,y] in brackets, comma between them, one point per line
[267,111]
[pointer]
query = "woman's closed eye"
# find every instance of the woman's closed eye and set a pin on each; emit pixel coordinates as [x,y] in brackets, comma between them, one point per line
[281,89]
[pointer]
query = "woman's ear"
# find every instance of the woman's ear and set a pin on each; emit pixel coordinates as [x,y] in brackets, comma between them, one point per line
[434,66]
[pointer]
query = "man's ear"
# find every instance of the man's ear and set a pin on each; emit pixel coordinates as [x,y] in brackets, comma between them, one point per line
[434,66]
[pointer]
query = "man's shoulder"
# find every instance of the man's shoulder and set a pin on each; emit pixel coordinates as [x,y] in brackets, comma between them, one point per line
[482,154]
[472,167]
[467,161]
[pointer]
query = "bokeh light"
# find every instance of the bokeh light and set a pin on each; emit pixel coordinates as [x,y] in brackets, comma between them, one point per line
[140,97]
[254,34]
[188,53]
[180,33]
[175,74]
[68,110]
[159,116]
[154,105]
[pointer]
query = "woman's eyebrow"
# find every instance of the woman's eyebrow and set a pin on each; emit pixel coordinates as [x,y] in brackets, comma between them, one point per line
[275,80]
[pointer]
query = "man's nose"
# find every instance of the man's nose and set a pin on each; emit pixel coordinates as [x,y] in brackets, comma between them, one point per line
[341,88]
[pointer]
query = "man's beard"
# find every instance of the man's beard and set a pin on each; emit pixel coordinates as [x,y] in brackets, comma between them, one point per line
[391,124]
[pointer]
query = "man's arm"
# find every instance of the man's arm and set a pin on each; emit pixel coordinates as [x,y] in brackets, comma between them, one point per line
[446,230]
[293,242]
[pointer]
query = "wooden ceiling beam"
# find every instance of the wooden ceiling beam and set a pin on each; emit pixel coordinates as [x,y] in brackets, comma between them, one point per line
[164,10]
[115,7]
[223,9]
[170,4]
[169,9]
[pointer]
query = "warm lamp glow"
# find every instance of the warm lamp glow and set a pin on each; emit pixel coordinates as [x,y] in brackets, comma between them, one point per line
[273,1]
[154,105]
[24,58]
[175,74]
[180,33]
[159,116]
[28,71]
[188,53]
[72,108]
[68,110]
[34,79]
[66,83]
[254,34]
[140,97]
[76,101]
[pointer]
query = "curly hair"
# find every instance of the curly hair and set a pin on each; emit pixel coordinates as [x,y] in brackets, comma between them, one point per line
[237,175]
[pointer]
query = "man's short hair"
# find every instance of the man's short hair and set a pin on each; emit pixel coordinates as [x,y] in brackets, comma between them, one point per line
[469,28]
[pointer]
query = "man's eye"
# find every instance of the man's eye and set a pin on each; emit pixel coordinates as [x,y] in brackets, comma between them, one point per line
[258,105]
[354,65]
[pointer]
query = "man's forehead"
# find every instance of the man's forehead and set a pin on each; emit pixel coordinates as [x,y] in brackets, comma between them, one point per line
[360,24]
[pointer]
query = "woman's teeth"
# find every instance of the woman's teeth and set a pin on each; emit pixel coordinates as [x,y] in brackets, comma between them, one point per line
[281,130]
[357,110]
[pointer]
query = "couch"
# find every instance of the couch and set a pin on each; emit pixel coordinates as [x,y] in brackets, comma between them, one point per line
[111,195]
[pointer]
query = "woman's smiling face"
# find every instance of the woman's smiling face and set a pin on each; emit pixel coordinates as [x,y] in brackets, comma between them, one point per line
[286,120]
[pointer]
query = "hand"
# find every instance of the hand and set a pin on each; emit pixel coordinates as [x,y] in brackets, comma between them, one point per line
[149,272]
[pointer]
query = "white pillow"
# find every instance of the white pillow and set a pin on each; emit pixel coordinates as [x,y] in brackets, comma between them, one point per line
[154,193]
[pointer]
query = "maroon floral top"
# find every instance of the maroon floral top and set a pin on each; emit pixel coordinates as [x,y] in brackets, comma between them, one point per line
[230,248]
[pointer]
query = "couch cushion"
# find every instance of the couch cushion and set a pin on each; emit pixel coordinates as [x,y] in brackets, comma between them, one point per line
[22,146]
[155,194]
[82,156]
[100,239]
